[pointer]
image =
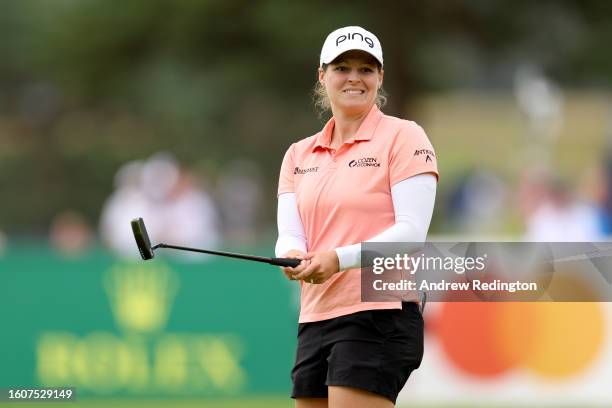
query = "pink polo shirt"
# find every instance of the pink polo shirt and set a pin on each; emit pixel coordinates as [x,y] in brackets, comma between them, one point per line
[344,197]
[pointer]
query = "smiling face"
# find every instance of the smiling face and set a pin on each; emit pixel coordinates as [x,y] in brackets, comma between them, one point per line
[351,82]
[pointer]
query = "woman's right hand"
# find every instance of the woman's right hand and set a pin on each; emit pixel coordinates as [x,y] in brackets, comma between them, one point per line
[294,254]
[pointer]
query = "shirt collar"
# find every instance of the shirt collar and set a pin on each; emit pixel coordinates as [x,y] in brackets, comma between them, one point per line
[365,131]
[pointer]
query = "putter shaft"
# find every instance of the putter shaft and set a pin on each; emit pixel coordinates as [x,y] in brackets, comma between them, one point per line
[272,261]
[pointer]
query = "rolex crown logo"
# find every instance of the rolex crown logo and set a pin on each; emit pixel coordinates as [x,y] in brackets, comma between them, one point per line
[141,295]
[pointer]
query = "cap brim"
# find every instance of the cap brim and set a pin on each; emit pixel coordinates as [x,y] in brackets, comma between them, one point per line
[331,58]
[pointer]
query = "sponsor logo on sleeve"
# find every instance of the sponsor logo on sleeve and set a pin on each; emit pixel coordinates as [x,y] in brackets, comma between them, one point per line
[429,154]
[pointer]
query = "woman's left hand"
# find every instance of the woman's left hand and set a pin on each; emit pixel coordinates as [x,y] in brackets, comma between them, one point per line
[322,266]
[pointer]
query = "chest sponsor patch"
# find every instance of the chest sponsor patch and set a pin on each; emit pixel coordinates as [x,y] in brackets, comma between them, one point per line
[298,170]
[364,162]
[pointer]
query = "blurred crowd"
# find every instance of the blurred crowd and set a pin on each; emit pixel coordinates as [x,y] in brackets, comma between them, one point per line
[176,206]
[177,209]
[541,206]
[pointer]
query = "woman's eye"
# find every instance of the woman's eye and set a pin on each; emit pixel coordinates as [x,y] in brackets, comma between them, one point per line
[341,68]
[367,69]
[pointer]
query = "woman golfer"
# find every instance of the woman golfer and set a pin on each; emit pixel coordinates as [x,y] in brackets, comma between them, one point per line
[365,176]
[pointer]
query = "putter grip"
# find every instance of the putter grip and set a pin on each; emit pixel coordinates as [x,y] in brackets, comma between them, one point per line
[285,262]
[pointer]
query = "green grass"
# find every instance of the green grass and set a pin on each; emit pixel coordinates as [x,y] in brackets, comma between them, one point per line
[255,402]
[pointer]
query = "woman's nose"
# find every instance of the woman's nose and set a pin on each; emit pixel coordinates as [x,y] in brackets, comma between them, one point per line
[353,75]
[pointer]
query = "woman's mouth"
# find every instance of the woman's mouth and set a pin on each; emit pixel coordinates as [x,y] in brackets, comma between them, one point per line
[353,91]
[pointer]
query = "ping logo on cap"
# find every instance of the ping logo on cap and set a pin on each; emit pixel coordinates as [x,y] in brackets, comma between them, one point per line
[351,36]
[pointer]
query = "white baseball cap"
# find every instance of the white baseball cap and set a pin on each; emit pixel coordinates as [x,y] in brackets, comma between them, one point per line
[350,38]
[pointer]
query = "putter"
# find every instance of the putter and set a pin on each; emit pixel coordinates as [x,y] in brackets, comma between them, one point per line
[146,250]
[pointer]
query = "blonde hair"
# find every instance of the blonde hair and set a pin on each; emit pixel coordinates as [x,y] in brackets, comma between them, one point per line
[321,100]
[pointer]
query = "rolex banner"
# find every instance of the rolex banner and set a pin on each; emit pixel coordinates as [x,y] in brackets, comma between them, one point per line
[224,329]
[163,328]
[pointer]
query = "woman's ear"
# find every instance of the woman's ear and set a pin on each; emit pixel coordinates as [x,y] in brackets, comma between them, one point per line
[380,77]
[321,76]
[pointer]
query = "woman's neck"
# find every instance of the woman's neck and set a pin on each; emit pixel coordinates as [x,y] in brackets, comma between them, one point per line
[345,127]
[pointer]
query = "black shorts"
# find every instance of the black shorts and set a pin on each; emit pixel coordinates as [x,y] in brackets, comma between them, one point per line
[373,350]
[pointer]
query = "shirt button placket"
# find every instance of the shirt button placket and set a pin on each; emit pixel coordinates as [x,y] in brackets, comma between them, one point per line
[332,153]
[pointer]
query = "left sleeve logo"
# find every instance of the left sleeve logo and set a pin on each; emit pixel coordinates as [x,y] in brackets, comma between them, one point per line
[430,155]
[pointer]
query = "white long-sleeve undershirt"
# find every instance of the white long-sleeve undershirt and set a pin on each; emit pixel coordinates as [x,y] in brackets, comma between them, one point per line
[291,233]
[413,202]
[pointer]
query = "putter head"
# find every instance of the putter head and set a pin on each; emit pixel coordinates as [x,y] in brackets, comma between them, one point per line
[142,239]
